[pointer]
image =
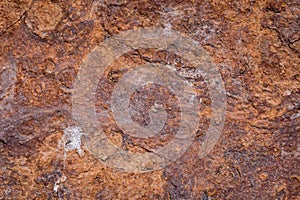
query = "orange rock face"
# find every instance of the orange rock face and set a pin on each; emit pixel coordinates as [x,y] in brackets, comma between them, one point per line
[50,143]
[43,16]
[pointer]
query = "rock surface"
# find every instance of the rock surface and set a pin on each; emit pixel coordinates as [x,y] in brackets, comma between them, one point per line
[254,44]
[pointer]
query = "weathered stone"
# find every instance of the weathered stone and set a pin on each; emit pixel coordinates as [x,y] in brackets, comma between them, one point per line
[43,17]
[45,44]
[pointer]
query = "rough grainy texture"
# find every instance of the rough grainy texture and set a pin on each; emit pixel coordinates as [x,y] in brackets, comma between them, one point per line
[256,47]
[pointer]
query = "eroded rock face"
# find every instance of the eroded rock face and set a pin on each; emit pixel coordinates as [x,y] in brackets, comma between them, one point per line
[44,47]
[43,17]
[11,12]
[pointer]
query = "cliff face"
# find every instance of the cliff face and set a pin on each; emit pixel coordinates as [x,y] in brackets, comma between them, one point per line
[253,48]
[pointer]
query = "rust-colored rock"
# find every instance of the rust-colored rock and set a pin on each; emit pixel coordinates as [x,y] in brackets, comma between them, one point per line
[255,46]
[43,17]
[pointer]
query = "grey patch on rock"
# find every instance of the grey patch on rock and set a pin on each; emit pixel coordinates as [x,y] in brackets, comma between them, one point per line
[295,116]
[7,80]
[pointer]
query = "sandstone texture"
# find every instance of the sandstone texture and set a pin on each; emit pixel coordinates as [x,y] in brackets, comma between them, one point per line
[255,45]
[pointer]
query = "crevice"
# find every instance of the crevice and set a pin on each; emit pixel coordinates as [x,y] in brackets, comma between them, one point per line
[17,21]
